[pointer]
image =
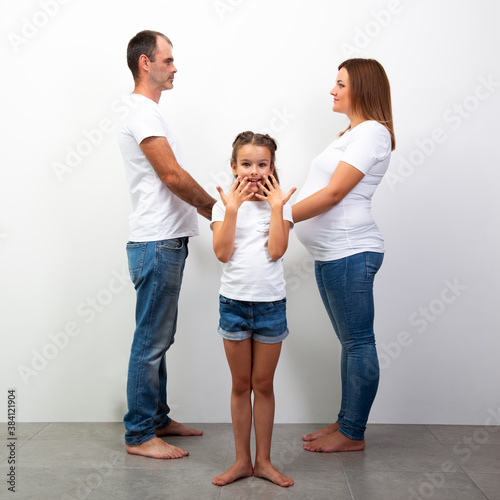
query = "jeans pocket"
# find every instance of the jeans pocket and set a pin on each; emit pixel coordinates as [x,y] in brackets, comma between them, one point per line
[224,301]
[173,244]
[373,263]
[135,255]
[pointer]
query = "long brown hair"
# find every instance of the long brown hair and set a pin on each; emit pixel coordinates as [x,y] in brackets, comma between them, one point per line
[265,140]
[370,92]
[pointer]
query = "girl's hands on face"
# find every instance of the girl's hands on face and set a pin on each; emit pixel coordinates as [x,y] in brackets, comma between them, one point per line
[272,192]
[237,194]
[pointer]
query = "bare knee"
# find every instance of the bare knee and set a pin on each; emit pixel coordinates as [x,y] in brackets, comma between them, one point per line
[241,387]
[262,387]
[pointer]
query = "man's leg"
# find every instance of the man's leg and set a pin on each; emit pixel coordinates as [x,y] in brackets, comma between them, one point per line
[156,269]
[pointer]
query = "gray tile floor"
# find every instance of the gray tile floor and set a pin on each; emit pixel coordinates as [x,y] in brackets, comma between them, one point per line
[74,461]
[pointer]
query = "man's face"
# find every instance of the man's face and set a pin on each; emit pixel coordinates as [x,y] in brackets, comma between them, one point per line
[162,72]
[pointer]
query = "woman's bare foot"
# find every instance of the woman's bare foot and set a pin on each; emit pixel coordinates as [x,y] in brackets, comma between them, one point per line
[176,429]
[268,471]
[334,442]
[326,431]
[156,448]
[237,471]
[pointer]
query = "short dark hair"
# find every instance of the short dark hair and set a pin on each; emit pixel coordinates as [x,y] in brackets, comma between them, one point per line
[142,43]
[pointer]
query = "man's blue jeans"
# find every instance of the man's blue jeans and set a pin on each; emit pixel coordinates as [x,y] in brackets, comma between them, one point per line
[346,288]
[156,269]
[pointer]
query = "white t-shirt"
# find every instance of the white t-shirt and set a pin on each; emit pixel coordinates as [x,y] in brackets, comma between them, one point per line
[250,274]
[347,228]
[157,214]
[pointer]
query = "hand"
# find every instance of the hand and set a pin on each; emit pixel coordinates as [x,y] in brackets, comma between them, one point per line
[272,192]
[237,194]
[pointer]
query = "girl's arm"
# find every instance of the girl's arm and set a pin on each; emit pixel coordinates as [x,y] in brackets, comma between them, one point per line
[279,229]
[341,183]
[224,231]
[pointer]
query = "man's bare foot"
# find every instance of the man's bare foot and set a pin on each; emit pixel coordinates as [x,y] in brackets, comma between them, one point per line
[156,448]
[176,429]
[326,431]
[334,442]
[237,471]
[268,471]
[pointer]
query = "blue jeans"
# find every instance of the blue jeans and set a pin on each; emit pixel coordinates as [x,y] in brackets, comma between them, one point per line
[346,288]
[156,269]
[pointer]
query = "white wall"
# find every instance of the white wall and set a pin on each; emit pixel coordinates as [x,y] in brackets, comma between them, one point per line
[66,303]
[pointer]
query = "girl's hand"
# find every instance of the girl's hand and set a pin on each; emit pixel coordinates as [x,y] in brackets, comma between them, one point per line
[237,194]
[273,194]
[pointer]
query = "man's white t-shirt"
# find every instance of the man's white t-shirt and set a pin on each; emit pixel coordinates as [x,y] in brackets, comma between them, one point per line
[158,214]
[348,227]
[250,274]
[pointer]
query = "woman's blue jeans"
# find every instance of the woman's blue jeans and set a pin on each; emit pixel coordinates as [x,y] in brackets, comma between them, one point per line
[346,288]
[156,269]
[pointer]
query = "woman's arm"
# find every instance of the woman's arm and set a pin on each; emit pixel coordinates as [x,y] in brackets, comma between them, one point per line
[341,183]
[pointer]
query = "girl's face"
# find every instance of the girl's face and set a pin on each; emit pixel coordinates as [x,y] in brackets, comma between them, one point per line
[342,93]
[253,162]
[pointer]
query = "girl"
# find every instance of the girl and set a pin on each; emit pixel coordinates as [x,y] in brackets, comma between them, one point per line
[250,226]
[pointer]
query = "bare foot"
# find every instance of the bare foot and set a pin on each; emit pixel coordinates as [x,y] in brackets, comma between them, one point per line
[237,471]
[177,429]
[334,442]
[268,471]
[156,448]
[326,431]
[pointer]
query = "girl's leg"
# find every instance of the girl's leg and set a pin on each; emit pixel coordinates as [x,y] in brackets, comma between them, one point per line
[239,357]
[265,359]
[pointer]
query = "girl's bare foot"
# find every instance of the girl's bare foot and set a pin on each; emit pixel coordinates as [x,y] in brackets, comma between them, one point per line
[156,448]
[237,471]
[326,431]
[268,471]
[334,442]
[176,429]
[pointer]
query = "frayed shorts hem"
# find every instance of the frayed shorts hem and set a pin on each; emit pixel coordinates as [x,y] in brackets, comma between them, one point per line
[243,335]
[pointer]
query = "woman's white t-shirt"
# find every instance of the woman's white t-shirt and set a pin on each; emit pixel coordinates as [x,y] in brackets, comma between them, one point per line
[250,274]
[348,227]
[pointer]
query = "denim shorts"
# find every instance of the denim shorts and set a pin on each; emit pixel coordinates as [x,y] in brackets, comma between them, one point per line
[262,321]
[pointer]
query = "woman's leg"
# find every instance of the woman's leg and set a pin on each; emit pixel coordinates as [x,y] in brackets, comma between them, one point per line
[239,357]
[348,295]
[330,429]
[265,359]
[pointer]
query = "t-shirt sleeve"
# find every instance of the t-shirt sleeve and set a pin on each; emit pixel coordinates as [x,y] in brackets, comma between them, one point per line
[218,213]
[147,122]
[287,214]
[367,146]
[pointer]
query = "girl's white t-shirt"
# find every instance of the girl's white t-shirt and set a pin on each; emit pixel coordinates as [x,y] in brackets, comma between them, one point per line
[158,214]
[348,227]
[250,274]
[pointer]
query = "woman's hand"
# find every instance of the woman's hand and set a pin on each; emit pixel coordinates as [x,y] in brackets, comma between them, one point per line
[273,194]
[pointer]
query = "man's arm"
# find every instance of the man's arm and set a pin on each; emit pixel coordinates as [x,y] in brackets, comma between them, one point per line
[160,155]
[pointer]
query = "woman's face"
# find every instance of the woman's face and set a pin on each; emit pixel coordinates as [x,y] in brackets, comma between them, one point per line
[342,93]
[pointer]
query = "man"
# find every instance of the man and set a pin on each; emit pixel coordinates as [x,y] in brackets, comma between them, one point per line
[165,200]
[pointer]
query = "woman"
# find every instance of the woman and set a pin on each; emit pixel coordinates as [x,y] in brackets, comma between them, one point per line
[345,242]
